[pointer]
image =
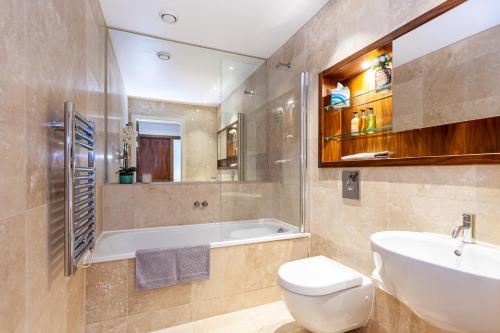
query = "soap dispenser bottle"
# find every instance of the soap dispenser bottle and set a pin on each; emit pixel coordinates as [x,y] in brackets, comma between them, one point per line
[372,121]
[363,123]
[355,124]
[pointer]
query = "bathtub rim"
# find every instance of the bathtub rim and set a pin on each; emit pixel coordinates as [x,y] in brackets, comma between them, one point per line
[213,245]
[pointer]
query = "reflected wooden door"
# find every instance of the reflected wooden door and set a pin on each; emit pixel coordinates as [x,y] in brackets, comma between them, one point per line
[155,155]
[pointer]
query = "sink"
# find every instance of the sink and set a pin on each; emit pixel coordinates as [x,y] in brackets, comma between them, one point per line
[452,285]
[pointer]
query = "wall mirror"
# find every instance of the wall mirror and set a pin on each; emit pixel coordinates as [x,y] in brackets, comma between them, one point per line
[179,105]
[425,94]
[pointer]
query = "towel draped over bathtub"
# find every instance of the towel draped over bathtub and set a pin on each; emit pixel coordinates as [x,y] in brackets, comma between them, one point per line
[156,268]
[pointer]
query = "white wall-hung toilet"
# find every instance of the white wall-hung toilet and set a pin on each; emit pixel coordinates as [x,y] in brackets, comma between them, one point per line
[325,296]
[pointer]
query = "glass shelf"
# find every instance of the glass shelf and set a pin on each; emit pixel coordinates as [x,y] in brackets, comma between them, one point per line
[379,90]
[360,134]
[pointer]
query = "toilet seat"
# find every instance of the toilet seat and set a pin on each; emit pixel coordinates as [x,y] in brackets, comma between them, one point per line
[317,276]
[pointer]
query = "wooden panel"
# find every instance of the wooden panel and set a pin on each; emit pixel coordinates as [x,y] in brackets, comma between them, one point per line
[407,144]
[155,155]
[468,142]
[484,137]
[413,161]
[383,142]
[443,140]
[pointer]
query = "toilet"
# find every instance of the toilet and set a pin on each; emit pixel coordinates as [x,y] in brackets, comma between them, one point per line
[325,296]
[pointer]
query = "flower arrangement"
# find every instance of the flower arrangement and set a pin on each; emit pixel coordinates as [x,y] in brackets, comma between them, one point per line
[129,134]
[382,62]
[383,72]
[128,137]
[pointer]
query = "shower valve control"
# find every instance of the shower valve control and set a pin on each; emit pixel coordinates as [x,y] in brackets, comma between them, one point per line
[198,204]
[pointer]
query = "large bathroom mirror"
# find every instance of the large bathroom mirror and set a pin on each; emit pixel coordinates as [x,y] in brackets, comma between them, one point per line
[418,95]
[447,70]
[181,100]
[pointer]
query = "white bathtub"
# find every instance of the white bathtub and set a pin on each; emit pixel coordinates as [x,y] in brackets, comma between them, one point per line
[115,245]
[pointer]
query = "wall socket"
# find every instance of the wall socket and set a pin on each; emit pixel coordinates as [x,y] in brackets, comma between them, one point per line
[350,184]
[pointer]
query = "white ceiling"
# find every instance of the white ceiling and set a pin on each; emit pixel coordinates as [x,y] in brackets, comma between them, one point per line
[193,75]
[257,27]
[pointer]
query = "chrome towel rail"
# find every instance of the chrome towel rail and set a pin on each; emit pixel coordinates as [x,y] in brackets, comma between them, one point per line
[79,183]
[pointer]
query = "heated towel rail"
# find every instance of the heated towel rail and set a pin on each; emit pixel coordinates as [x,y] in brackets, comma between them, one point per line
[79,183]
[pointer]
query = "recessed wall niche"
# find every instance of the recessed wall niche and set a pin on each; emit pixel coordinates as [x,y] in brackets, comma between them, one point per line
[369,118]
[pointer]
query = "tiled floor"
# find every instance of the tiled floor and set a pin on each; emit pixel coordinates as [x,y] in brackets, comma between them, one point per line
[268,318]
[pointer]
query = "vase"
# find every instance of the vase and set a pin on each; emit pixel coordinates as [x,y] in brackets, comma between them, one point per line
[383,78]
[126,179]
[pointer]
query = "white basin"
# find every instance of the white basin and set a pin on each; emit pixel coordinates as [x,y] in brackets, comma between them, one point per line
[455,293]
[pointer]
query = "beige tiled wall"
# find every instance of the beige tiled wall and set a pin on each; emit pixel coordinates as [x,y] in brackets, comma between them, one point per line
[50,51]
[199,144]
[170,204]
[240,277]
[397,198]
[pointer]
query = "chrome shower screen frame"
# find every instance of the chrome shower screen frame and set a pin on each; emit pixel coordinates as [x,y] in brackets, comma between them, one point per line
[303,151]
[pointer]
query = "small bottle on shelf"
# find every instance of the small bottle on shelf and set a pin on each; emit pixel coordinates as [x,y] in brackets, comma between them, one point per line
[363,123]
[372,121]
[355,124]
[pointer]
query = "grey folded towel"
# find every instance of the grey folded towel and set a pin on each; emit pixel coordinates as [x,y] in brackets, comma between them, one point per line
[156,268]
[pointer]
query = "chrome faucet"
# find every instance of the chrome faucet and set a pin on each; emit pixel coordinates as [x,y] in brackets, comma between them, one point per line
[467,229]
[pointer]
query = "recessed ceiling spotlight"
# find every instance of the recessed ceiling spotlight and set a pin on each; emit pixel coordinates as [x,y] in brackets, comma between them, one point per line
[163,55]
[168,17]
[231,68]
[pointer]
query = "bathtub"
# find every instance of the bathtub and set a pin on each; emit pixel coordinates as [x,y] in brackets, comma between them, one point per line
[117,245]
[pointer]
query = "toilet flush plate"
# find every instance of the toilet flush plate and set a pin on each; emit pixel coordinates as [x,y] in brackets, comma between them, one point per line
[350,184]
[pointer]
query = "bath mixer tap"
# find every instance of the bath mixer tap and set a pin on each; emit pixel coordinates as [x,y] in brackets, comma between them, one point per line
[467,229]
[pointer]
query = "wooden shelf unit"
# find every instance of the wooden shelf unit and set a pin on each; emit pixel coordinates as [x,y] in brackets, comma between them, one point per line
[336,122]
[468,142]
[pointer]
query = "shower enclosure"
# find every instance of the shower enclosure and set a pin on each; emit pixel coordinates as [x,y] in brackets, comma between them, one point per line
[268,182]
[239,131]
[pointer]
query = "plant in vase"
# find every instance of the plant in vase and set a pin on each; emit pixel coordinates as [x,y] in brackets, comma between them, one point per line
[128,137]
[383,72]
[126,175]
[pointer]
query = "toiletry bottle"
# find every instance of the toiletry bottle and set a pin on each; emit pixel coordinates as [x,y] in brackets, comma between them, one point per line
[355,124]
[363,123]
[372,121]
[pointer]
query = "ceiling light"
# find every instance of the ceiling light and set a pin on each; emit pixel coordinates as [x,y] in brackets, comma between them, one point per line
[215,88]
[231,68]
[163,55]
[168,17]
[366,64]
